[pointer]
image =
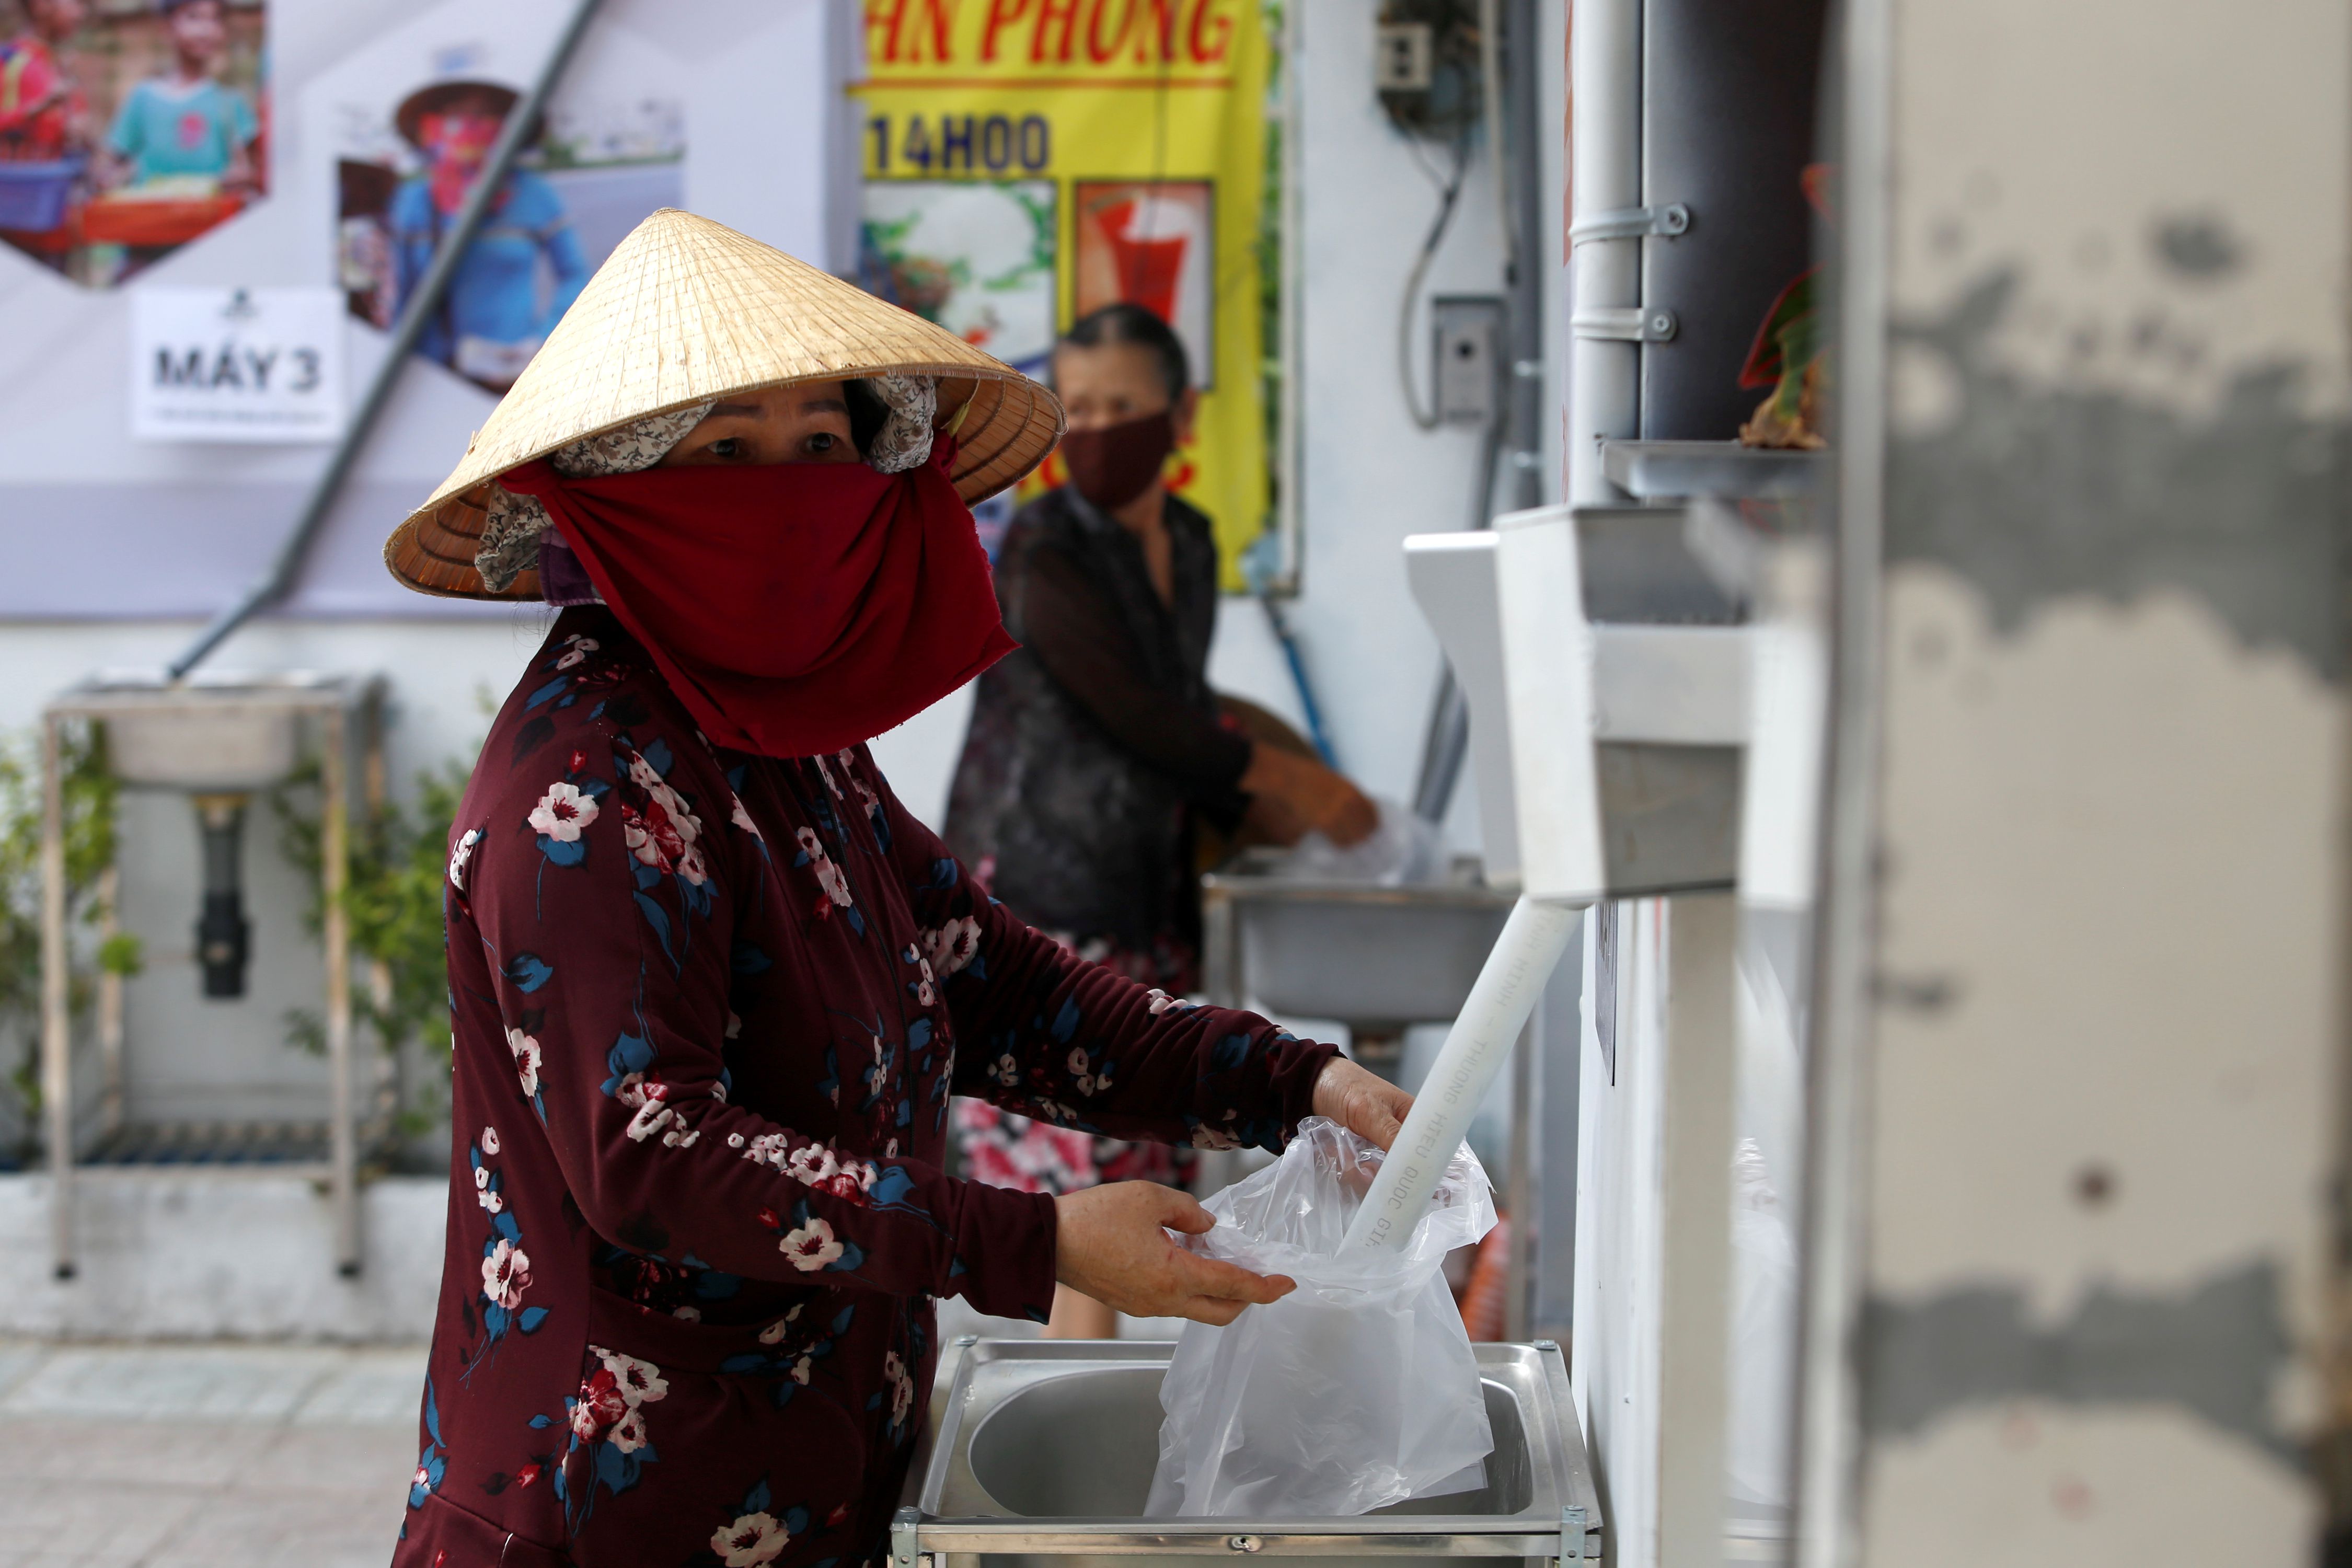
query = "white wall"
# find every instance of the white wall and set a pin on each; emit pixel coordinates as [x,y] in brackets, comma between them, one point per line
[1370,477]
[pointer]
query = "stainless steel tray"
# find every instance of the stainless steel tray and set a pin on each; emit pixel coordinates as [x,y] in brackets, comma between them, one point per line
[1378,959]
[1043,1450]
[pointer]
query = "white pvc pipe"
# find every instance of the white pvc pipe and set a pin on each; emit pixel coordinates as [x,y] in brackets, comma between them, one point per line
[1603,394]
[1479,1043]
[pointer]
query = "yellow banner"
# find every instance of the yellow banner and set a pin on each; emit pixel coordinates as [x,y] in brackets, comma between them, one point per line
[1029,160]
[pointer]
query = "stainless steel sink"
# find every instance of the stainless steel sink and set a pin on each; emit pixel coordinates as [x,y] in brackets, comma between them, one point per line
[1043,1453]
[1378,959]
[228,734]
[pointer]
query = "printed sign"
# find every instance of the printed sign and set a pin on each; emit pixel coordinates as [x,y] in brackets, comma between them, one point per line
[1030,161]
[236,364]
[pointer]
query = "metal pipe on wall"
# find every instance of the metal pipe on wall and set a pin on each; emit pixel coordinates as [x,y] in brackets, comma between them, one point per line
[414,317]
[1603,394]
[1523,204]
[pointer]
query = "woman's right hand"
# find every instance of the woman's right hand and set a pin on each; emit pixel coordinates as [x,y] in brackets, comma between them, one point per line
[1111,1243]
[1294,795]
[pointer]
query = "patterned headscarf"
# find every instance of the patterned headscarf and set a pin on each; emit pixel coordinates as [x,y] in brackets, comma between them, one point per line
[512,535]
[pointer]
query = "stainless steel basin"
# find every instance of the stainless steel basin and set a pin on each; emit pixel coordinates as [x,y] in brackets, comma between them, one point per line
[1044,1451]
[226,735]
[1378,959]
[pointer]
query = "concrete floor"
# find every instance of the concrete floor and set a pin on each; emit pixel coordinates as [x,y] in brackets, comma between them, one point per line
[144,1457]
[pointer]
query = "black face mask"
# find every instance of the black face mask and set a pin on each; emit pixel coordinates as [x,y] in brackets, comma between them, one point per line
[1112,466]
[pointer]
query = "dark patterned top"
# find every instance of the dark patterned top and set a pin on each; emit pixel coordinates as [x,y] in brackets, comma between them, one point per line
[709,1010]
[1087,745]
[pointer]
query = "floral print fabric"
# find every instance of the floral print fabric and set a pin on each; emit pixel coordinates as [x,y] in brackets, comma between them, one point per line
[710,1009]
[1005,1149]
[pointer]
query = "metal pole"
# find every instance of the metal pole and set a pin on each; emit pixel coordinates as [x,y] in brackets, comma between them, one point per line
[57,1039]
[1605,150]
[1697,1133]
[109,1004]
[384,1109]
[1832,1247]
[413,316]
[1521,196]
[1518,1184]
[334,838]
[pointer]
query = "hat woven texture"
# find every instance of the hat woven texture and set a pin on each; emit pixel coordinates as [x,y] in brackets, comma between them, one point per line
[686,310]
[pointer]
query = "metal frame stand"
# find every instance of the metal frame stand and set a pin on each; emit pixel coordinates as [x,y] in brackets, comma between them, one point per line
[341,705]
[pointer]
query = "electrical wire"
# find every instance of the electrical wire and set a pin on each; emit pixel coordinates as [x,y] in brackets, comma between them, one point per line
[1447,200]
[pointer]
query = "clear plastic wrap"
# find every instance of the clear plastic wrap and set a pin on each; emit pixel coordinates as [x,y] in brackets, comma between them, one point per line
[1402,851]
[1356,1390]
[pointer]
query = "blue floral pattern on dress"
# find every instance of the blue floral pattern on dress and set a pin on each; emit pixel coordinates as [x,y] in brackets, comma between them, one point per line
[736,995]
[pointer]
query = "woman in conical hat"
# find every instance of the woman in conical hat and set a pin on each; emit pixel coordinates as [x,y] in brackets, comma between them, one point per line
[713,985]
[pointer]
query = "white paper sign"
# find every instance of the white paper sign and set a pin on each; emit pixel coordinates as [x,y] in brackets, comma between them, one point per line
[236,364]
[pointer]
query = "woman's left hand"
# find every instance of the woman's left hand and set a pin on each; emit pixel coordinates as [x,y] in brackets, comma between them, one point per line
[1361,1101]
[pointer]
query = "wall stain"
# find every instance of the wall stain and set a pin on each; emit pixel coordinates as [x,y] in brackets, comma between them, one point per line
[2035,492]
[2198,247]
[2213,1351]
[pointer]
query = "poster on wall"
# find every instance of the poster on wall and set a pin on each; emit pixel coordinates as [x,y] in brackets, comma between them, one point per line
[412,131]
[1028,164]
[245,365]
[735,109]
[977,258]
[127,130]
[586,178]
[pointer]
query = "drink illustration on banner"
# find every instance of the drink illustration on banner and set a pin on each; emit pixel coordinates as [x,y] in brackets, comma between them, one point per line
[1148,242]
[128,132]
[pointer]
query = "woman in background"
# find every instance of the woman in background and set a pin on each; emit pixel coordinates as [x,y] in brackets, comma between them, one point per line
[1093,746]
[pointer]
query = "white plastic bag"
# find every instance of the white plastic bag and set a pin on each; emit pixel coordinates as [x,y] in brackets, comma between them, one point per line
[1402,850]
[1356,1390]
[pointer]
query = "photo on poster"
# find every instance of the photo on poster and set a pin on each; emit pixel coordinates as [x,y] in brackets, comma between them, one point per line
[1151,243]
[976,257]
[128,129]
[589,173]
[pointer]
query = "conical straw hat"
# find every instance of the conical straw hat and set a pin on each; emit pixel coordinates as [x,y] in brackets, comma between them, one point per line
[686,310]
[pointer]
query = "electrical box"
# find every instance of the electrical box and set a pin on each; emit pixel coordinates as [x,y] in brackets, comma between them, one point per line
[1467,357]
[1404,60]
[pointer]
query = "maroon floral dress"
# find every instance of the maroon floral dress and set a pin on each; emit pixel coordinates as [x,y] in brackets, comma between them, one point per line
[709,1008]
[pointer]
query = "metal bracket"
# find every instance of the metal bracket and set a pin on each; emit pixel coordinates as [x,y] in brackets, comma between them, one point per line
[903,1527]
[1624,324]
[1632,222]
[1571,1537]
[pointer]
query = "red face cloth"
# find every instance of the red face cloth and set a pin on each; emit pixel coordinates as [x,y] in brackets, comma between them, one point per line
[1112,466]
[795,608]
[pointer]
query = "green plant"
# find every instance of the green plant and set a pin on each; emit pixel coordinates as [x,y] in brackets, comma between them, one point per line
[398,857]
[89,791]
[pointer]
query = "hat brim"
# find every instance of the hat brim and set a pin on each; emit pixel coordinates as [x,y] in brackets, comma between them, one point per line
[409,117]
[1006,426]
[686,311]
